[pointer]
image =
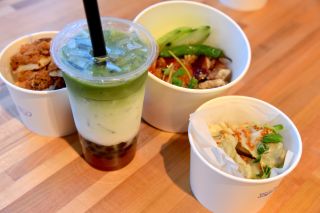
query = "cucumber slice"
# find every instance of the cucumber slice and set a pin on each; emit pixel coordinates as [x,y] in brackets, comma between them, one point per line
[168,38]
[184,36]
[197,36]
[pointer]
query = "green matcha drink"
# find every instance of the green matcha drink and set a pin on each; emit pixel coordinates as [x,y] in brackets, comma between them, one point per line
[106,97]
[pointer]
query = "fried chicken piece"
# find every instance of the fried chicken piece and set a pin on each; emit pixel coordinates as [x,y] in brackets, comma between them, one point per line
[24,84]
[24,76]
[212,83]
[41,80]
[224,74]
[44,47]
[32,54]
[52,66]
[21,59]
[33,68]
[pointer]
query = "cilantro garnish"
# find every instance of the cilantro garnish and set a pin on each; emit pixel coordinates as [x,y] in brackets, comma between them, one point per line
[176,81]
[265,173]
[166,71]
[262,148]
[272,138]
[193,83]
[180,72]
[277,128]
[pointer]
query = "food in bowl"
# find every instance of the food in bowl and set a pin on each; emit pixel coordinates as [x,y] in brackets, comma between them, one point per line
[33,68]
[255,148]
[184,60]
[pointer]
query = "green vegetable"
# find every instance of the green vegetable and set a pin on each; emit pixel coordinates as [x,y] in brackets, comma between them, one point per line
[176,81]
[181,64]
[266,171]
[168,38]
[184,35]
[257,160]
[180,72]
[272,138]
[277,128]
[166,71]
[196,49]
[196,36]
[193,83]
[262,148]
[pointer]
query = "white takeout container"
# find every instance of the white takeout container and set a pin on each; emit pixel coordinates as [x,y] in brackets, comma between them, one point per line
[221,192]
[46,113]
[167,106]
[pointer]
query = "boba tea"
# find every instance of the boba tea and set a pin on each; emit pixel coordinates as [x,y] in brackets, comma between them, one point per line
[106,96]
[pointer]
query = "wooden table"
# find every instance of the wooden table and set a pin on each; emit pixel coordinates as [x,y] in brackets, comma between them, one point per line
[42,174]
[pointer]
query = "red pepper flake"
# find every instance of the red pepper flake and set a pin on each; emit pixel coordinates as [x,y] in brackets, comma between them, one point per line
[237,135]
[257,128]
[218,142]
[247,134]
[265,131]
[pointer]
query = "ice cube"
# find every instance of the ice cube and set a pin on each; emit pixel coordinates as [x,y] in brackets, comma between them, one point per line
[133,45]
[79,63]
[114,52]
[85,55]
[113,67]
[83,43]
[71,44]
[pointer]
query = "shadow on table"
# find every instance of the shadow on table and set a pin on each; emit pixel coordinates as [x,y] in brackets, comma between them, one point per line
[176,157]
[73,141]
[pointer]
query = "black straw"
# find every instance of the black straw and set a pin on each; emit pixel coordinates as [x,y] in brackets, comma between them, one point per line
[95,29]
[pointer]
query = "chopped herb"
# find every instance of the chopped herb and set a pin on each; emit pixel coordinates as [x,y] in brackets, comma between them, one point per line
[262,148]
[166,71]
[277,128]
[272,138]
[193,83]
[170,73]
[265,173]
[178,73]
[176,81]
[257,160]
[180,62]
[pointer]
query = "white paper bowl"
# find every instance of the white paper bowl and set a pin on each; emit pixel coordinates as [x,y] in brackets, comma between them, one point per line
[46,113]
[166,106]
[221,192]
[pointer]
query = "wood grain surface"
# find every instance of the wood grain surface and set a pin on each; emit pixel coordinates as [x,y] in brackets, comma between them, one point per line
[43,174]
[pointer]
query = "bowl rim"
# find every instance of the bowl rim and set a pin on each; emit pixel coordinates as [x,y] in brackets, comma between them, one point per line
[240,179]
[23,90]
[201,91]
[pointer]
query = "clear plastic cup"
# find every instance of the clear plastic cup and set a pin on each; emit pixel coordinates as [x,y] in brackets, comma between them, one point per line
[107,99]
